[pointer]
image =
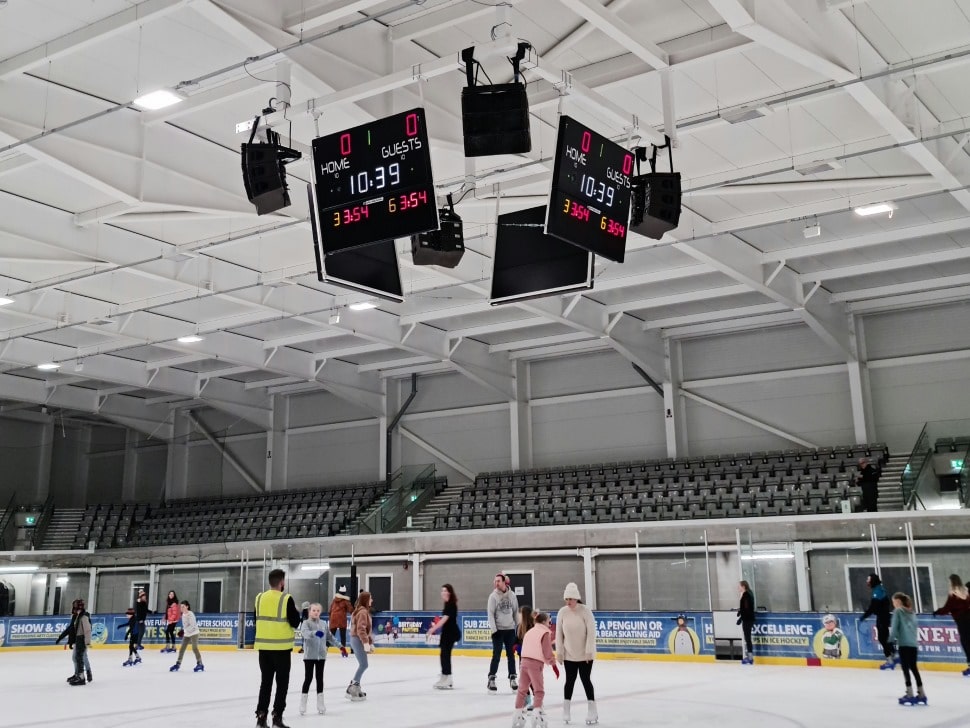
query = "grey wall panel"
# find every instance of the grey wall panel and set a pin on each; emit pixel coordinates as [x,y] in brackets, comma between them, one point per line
[582,373]
[20,450]
[444,391]
[479,441]
[333,457]
[107,438]
[906,397]
[105,476]
[815,408]
[66,459]
[918,331]
[151,465]
[414,455]
[321,408]
[765,350]
[601,430]
[221,424]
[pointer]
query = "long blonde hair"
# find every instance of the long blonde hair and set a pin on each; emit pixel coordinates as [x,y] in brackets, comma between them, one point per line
[957,587]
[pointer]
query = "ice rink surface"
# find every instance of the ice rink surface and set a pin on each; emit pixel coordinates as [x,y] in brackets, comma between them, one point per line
[399,694]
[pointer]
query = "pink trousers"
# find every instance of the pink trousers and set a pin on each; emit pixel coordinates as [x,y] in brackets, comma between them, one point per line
[530,676]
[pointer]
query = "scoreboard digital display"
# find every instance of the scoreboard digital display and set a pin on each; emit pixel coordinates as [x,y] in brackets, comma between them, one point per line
[589,201]
[374,183]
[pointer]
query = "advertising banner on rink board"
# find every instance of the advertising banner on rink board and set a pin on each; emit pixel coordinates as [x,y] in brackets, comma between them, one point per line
[830,637]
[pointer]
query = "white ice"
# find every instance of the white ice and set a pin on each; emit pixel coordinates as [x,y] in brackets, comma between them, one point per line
[399,694]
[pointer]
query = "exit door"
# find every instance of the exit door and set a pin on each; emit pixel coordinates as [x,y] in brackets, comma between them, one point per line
[379,587]
[520,582]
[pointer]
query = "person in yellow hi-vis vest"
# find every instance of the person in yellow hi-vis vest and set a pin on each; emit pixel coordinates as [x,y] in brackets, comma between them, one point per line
[276,618]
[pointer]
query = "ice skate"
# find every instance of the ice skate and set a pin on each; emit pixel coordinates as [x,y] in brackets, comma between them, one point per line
[566,717]
[199,668]
[966,673]
[354,693]
[303,699]
[491,684]
[261,720]
[539,719]
[278,722]
[128,663]
[321,708]
[518,719]
[76,680]
[592,716]
[908,698]
[444,683]
[175,667]
[528,701]
[889,664]
[90,676]
[513,683]
[136,661]
[920,698]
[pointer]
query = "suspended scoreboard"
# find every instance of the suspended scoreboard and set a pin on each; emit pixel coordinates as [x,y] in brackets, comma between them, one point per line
[373,183]
[589,201]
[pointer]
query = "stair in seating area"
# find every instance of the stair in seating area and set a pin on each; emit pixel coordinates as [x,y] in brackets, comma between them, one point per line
[890,483]
[424,521]
[63,529]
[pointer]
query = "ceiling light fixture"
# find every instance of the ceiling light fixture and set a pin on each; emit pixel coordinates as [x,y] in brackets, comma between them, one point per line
[362,306]
[16,569]
[877,209]
[315,567]
[4,301]
[190,339]
[49,366]
[156,100]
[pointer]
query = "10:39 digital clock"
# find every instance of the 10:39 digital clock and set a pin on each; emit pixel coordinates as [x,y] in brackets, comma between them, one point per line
[589,201]
[373,183]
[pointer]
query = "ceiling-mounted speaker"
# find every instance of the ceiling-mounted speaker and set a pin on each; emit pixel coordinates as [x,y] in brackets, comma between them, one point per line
[656,204]
[495,118]
[444,246]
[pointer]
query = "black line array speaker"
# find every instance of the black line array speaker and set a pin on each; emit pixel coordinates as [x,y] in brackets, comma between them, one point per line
[444,246]
[495,120]
[264,177]
[656,203]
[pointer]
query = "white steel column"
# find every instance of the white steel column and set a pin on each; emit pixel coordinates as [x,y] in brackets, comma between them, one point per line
[44,455]
[801,577]
[82,464]
[130,476]
[277,444]
[674,423]
[417,583]
[177,473]
[382,433]
[860,392]
[520,418]
[92,603]
[589,575]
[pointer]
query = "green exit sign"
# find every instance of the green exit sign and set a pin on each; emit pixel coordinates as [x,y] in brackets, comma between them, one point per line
[30,520]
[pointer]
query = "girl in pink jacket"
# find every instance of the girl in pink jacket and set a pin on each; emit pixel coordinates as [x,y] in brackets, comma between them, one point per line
[173,613]
[536,654]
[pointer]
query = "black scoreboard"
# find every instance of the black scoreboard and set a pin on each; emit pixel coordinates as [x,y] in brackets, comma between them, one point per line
[374,183]
[589,202]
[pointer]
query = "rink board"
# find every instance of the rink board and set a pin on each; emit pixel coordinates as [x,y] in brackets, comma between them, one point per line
[787,638]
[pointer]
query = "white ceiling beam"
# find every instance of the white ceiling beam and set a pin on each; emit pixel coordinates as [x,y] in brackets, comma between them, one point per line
[324,13]
[402,362]
[882,266]
[96,32]
[224,372]
[440,19]
[888,182]
[14,162]
[723,314]
[912,300]
[556,350]
[750,323]
[897,289]
[540,341]
[275,382]
[293,339]
[676,299]
[175,361]
[609,23]
[497,326]
[204,99]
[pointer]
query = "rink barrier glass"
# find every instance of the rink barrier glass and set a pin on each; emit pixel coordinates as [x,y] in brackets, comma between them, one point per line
[805,638]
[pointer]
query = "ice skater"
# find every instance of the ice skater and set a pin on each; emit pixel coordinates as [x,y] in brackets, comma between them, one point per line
[339,614]
[880,607]
[276,618]
[141,614]
[536,654]
[526,622]
[78,634]
[362,642]
[746,616]
[132,636]
[172,613]
[903,630]
[316,637]
[958,606]
[576,650]
[190,636]
[450,634]
[503,615]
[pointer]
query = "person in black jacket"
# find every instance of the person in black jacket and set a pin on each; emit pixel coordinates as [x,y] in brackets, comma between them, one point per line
[868,479]
[132,636]
[881,608]
[141,614]
[78,643]
[746,620]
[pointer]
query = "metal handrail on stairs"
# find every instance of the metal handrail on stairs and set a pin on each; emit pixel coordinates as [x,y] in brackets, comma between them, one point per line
[43,522]
[6,521]
[913,471]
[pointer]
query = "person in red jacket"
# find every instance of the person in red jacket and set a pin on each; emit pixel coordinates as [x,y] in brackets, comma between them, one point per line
[340,609]
[172,616]
[958,606]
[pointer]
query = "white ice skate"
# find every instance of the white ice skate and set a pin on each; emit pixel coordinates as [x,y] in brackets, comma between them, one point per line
[518,719]
[321,708]
[539,719]
[303,699]
[444,683]
[592,716]
[566,717]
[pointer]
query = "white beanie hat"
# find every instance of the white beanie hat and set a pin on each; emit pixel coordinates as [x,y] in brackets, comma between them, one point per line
[571,592]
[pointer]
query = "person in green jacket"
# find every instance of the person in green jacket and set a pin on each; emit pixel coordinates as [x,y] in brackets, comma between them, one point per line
[904,631]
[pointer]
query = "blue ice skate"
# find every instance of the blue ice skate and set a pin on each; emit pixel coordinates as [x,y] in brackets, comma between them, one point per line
[175,667]
[128,663]
[966,673]
[199,668]
[889,664]
[136,661]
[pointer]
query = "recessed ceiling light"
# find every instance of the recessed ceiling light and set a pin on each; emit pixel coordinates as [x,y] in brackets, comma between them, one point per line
[191,339]
[49,366]
[880,208]
[4,301]
[362,306]
[158,99]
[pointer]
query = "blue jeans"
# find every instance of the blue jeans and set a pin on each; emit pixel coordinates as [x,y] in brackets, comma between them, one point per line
[358,647]
[503,638]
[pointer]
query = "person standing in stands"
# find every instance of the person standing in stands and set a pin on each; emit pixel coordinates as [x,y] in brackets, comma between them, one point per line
[868,479]
[172,615]
[450,634]
[882,610]
[141,614]
[576,650]
[746,620]
[503,617]
[276,619]
[340,609]
[958,606]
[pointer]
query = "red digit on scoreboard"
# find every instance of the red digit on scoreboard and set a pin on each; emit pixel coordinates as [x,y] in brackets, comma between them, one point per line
[587,139]
[627,164]
[411,124]
[344,145]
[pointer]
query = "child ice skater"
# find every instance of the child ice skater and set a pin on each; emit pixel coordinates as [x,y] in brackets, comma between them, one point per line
[78,634]
[904,631]
[316,636]
[132,636]
[526,622]
[361,641]
[536,654]
[190,636]
[172,614]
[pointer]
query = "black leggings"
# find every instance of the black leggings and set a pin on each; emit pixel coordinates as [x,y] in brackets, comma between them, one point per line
[447,645]
[311,668]
[963,629]
[907,658]
[882,634]
[584,669]
[170,633]
[746,627]
[343,634]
